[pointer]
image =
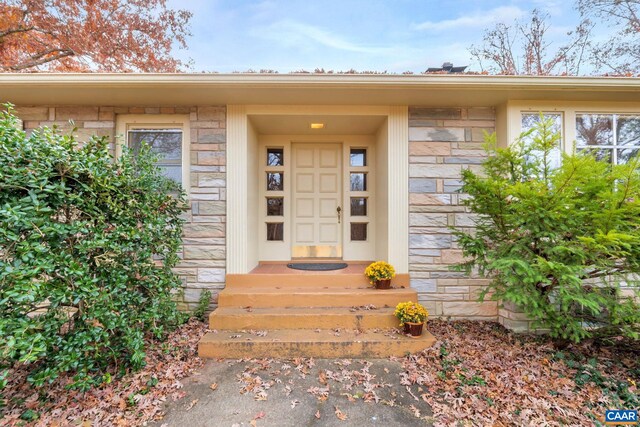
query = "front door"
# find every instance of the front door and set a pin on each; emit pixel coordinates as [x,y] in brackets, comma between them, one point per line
[317,195]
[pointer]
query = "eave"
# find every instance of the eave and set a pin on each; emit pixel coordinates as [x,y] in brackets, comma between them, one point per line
[296,89]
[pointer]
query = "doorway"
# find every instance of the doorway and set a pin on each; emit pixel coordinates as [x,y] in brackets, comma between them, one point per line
[317,211]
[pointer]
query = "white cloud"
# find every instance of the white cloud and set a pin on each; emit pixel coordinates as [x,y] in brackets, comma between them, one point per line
[299,34]
[476,20]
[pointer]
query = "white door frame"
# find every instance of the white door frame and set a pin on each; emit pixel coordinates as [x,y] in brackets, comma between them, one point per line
[241,232]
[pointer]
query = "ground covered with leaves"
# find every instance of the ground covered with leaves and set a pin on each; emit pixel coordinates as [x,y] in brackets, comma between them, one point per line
[481,374]
[476,374]
[129,400]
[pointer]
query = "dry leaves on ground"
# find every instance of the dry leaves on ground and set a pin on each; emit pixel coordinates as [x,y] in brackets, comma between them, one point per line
[131,400]
[480,374]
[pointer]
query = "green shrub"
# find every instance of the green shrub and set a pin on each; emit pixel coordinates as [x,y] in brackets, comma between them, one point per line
[87,243]
[557,242]
[203,305]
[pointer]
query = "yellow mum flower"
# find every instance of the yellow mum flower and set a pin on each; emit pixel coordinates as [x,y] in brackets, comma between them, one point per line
[379,270]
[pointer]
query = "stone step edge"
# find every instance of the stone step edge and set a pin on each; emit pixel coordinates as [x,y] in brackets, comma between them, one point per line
[229,344]
[302,318]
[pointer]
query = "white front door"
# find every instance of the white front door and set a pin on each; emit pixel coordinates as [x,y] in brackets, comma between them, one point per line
[317,201]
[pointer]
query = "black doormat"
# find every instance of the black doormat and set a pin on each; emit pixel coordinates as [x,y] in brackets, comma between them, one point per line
[319,266]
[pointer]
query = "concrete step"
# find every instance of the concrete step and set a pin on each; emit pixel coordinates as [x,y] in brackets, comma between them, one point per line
[313,297]
[302,318]
[309,343]
[327,279]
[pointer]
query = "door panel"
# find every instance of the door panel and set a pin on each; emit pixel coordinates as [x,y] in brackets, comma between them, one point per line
[317,184]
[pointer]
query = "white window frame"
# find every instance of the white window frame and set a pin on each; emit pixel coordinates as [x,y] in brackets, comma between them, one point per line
[614,147]
[127,122]
[511,122]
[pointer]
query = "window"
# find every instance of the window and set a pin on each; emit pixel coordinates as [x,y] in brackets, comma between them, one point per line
[358,206]
[167,143]
[611,137]
[275,231]
[358,157]
[275,206]
[358,181]
[167,135]
[275,157]
[529,120]
[358,231]
[273,167]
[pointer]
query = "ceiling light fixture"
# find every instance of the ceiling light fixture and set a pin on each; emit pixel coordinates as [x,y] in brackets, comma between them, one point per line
[317,125]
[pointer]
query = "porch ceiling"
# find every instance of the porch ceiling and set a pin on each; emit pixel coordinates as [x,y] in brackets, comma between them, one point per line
[298,89]
[300,125]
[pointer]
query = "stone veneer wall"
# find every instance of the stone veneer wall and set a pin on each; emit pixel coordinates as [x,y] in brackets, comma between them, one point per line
[443,142]
[203,264]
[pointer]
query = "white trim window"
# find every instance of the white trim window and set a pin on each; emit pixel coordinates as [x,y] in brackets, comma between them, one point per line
[611,137]
[530,119]
[167,135]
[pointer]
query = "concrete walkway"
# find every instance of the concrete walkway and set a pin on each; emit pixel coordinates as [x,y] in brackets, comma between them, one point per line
[301,392]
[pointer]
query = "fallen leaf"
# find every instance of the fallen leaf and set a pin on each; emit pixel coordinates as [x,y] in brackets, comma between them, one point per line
[260,415]
[318,414]
[213,386]
[192,404]
[322,377]
[341,415]
[294,403]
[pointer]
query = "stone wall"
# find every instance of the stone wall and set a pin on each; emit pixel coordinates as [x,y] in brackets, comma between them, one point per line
[203,255]
[443,142]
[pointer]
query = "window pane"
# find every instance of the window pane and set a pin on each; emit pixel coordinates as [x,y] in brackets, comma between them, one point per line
[275,231]
[358,231]
[358,206]
[625,156]
[172,171]
[628,130]
[275,157]
[604,154]
[275,181]
[594,129]
[529,120]
[275,206]
[165,142]
[358,157]
[358,181]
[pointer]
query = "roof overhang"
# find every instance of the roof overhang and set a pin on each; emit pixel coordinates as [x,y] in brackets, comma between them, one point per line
[288,89]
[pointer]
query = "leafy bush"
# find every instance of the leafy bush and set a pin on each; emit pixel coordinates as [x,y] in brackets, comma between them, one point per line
[560,243]
[203,305]
[87,243]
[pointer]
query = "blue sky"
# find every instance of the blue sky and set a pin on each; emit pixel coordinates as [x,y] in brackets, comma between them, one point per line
[393,35]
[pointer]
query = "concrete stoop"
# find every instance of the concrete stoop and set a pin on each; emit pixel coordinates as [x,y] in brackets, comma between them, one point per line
[321,343]
[330,319]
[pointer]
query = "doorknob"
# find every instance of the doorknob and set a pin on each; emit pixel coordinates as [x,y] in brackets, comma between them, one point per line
[339,209]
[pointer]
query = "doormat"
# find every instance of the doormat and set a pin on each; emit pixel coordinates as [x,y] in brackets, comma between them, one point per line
[320,266]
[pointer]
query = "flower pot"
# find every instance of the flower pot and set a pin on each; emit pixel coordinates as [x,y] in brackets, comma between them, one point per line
[383,284]
[413,329]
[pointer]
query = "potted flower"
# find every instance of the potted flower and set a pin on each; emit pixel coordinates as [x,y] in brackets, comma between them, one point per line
[380,274]
[412,317]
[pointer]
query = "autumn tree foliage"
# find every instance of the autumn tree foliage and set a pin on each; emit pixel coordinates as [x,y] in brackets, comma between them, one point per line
[620,53]
[524,48]
[91,35]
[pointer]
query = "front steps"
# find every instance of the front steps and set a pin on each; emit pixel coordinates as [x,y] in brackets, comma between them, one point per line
[326,344]
[313,297]
[303,318]
[308,315]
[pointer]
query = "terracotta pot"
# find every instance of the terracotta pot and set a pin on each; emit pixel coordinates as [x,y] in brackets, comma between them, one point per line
[413,329]
[383,284]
